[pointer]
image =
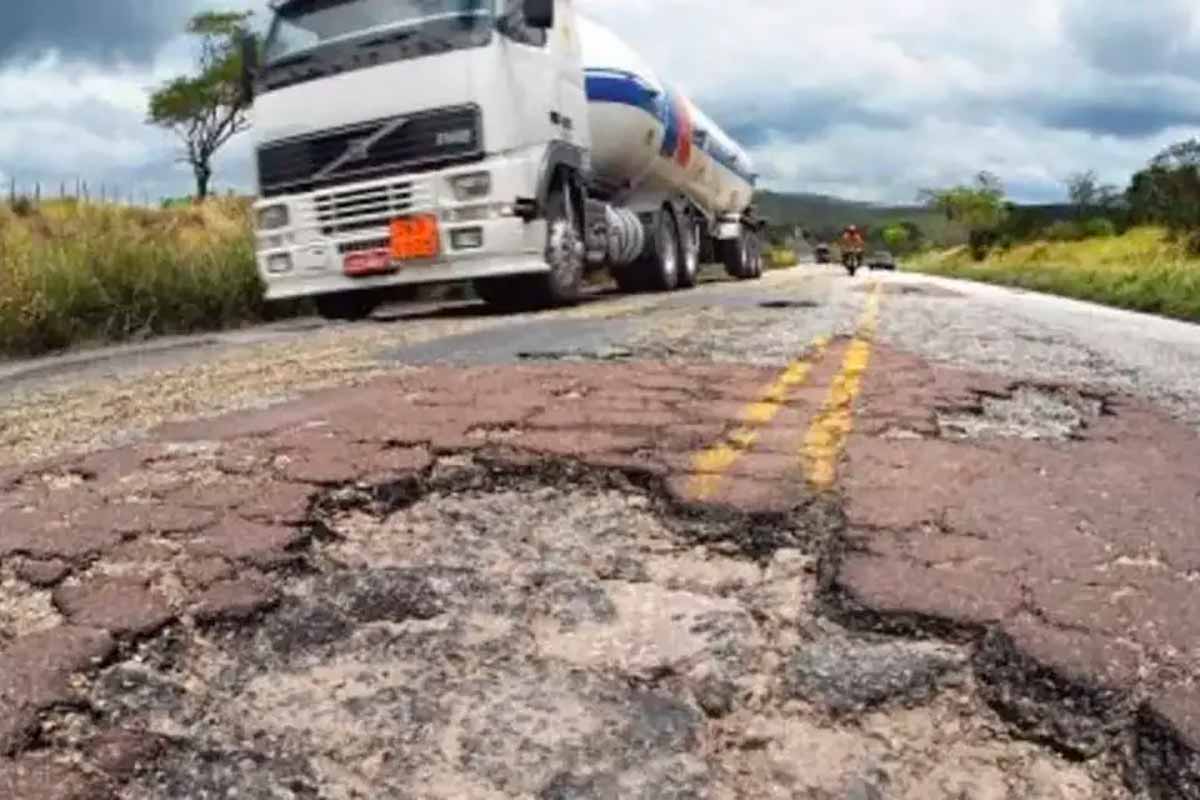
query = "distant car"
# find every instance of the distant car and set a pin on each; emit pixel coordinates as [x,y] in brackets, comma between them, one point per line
[882,259]
[822,253]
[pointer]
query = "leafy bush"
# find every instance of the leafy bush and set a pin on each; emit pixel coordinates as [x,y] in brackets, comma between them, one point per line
[1064,231]
[781,258]
[1099,228]
[23,206]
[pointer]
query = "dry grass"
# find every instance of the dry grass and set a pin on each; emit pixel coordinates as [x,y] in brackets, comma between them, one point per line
[73,273]
[1140,270]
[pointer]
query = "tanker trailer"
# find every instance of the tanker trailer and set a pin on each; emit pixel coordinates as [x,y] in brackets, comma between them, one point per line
[667,183]
[506,142]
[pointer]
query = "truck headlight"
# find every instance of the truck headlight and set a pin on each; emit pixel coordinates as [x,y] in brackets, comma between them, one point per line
[273,217]
[472,185]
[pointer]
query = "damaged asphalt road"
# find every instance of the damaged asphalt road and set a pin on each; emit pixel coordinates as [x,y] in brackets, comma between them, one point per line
[803,538]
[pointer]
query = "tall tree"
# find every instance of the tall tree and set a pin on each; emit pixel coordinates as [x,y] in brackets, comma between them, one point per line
[1168,191]
[206,109]
[979,207]
[1084,190]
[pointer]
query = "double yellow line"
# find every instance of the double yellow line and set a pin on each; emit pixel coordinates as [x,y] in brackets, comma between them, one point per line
[710,465]
[826,438]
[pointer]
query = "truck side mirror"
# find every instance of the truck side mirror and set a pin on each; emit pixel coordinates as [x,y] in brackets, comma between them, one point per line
[249,52]
[539,14]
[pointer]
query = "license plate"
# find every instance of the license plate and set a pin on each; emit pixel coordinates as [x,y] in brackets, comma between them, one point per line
[367,262]
[415,237]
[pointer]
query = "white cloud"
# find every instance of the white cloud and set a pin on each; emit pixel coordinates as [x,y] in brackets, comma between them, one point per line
[871,99]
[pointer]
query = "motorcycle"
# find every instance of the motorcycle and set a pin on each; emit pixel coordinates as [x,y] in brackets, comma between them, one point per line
[852,261]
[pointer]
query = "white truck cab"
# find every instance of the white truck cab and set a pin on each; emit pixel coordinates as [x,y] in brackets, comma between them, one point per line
[451,116]
[404,142]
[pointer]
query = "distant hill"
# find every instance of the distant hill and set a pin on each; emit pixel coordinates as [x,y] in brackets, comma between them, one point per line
[825,216]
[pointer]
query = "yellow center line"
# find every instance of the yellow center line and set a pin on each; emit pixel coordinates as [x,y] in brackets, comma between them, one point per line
[710,465]
[826,437]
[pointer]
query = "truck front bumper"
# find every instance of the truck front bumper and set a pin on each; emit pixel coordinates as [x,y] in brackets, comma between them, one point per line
[478,238]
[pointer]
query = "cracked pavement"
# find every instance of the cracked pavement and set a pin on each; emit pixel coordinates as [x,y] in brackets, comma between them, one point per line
[450,554]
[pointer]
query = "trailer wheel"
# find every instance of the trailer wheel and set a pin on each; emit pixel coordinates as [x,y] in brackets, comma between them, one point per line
[347,306]
[735,253]
[562,285]
[689,247]
[755,250]
[659,264]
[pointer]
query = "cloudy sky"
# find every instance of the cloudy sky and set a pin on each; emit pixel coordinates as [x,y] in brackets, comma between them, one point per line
[869,99]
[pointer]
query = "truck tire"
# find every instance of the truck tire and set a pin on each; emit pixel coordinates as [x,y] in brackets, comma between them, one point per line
[659,264]
[563,284]
[347,306]
[736,255]
[689,248]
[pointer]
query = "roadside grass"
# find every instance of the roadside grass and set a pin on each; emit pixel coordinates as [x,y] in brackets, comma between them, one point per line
[1141,270]
[76,272]
[781,258]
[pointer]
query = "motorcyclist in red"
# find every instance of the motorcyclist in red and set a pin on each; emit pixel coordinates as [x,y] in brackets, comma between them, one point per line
[852,241]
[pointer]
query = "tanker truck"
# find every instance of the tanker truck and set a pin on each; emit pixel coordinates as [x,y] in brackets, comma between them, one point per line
[511,143]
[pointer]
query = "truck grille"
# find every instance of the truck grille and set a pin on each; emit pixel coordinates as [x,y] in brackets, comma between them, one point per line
[378,149]
[340,212]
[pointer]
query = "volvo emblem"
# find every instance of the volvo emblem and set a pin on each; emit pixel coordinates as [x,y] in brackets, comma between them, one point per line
[360,149]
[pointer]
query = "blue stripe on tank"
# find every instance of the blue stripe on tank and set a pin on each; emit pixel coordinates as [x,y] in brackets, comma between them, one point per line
[612,86]
[625,88]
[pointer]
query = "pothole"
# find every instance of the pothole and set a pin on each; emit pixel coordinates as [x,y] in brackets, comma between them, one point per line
[1028,412]
[556,633]
[602,354]
[783,305]
[24,609]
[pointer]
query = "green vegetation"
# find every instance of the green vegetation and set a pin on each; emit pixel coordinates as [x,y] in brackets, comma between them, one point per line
[781,258]
[208,109]
[1139,249]
[1143,270]
[75,272]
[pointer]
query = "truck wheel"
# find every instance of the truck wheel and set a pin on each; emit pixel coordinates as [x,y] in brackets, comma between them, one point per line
[347,306]
[689,246]
[737,255]
[562,285]
[660,260]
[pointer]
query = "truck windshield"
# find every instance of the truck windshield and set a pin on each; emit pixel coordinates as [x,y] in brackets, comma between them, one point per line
[304,25]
